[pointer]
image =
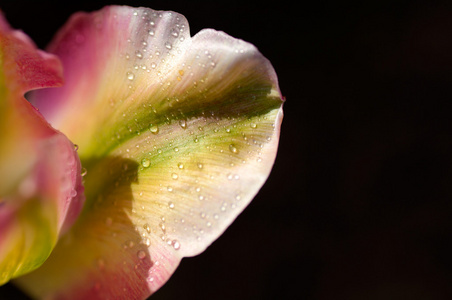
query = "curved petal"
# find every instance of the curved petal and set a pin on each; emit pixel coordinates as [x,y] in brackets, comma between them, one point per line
[177,133]
[39,168]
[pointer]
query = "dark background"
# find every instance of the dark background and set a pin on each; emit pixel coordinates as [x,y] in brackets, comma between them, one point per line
[358,205]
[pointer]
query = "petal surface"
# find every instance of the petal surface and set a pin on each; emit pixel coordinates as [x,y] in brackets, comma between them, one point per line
[177,133]
[39,168]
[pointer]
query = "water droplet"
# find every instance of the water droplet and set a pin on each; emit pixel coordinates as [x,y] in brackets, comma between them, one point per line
[176,244]
[170,189]
[162,226]
[75,147]
[176,149]
[171,205]
[174,176]
[183,124]
[168,45]
[147,228]
[141,254]
[223,206]
[130,75]
[145,162]
[138,54]
[180,165]
[154,129]
[253,125]
[233,149]
[83,172]
[73,193]
[200,165]
[147,242]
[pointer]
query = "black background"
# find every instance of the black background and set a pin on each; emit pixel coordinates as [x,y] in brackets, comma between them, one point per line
[358,205]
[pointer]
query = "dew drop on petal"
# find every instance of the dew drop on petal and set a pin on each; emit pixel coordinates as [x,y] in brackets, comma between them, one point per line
[176,244]
[141,254]
[145,162]
[147,228]
[183,124]
[154,129]
[233,149]
[130,76]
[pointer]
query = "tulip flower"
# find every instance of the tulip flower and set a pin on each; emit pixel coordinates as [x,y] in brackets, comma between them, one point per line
[177,135]
[40,188]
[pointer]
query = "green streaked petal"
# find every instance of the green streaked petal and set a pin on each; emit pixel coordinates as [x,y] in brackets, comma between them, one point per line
[178,134]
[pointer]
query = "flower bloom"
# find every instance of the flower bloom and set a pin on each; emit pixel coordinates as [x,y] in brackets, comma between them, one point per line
[177,134]
[40,189]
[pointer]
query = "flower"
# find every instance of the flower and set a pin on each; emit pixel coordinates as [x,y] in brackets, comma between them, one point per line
[177,135]
[40,190]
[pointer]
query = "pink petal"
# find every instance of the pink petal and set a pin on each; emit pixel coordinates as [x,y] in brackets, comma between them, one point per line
[40,192]
[177,133]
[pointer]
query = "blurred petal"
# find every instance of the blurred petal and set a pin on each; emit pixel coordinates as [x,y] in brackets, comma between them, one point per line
[40,188]
[178,134]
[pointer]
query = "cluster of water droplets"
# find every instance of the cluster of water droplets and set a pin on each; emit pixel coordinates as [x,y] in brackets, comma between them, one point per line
[196,178]
[154,43]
